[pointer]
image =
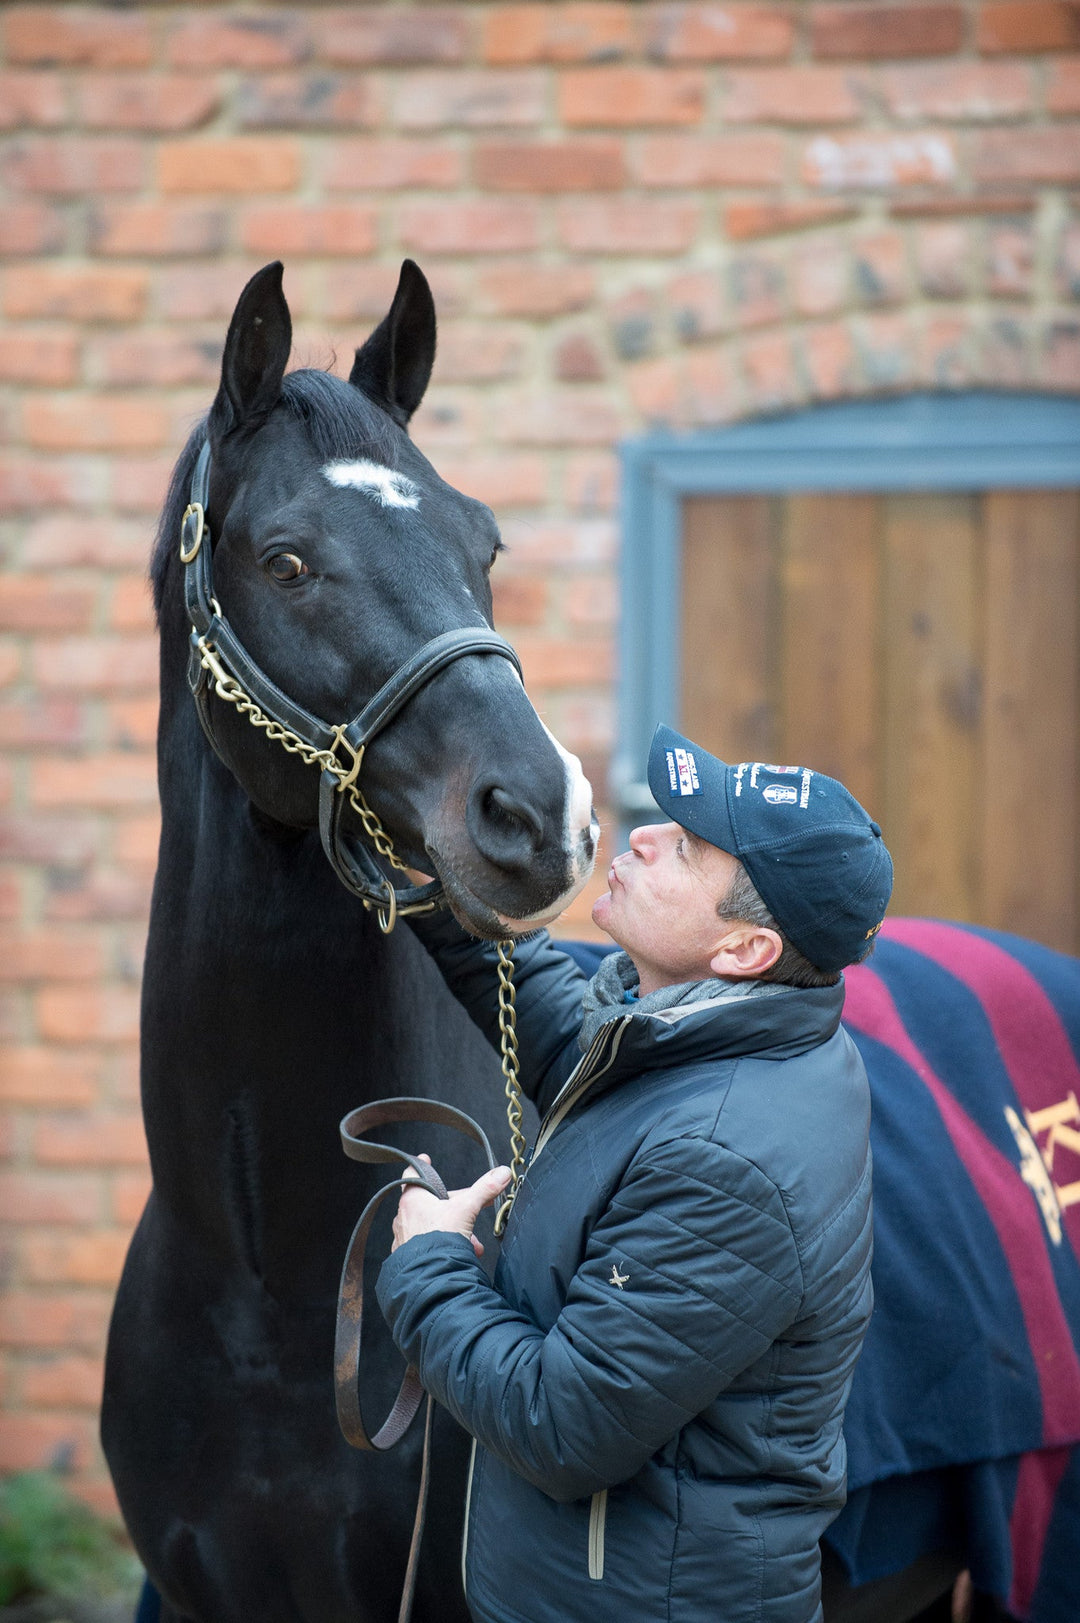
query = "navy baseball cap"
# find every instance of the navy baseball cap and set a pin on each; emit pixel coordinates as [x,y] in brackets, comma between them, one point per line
[816,858]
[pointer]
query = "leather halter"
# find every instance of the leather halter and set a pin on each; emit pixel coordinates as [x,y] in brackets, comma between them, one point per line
[219,662]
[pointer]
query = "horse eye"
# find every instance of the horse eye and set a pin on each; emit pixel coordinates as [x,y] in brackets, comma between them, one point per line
[286,566]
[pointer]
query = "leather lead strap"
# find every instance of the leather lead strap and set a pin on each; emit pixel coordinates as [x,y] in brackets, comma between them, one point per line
[351,1295]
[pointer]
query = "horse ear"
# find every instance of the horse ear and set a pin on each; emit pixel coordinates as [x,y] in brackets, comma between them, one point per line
[394,366]
[256,352]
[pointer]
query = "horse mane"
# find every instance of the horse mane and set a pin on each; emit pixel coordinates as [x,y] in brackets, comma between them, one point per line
[341,423]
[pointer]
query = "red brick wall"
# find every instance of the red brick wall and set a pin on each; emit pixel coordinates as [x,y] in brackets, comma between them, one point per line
[630,213]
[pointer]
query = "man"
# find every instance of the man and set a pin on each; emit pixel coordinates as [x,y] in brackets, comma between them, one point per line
[656,1378]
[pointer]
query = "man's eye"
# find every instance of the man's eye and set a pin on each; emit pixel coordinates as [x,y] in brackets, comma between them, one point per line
[286,566]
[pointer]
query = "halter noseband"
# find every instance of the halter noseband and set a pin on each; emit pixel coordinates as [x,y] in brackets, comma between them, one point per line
[219,663]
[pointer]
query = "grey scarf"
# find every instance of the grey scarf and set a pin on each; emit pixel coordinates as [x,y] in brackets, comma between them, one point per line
[605,995]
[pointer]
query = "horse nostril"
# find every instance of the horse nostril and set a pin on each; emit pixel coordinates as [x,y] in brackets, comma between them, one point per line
[510,817]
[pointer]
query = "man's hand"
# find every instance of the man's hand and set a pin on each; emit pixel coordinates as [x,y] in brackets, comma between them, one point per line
[421,1213]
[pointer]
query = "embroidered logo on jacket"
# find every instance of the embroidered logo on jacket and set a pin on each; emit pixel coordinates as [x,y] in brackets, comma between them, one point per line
[617,1278]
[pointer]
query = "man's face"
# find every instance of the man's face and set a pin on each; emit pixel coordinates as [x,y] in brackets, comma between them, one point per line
[661,904]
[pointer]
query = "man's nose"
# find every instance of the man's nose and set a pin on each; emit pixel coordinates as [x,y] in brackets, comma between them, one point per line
[645,841]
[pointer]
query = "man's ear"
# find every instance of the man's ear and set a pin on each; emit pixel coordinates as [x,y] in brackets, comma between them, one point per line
[747,951]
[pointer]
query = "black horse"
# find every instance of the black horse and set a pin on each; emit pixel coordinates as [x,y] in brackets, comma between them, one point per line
[272,1003]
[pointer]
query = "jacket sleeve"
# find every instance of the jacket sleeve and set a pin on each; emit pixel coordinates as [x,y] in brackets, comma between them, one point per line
[710,1277]
[548,989]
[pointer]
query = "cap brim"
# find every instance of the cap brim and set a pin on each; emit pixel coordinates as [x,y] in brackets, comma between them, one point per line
[695,797]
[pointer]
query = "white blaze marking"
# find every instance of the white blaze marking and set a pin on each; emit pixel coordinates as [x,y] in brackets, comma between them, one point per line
[389,488]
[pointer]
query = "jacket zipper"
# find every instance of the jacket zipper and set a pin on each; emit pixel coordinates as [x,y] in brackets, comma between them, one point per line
[468,1506]
[581,1079]
[597,1520]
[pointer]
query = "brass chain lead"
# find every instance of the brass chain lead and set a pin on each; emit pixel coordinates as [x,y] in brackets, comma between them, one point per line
[510,1066]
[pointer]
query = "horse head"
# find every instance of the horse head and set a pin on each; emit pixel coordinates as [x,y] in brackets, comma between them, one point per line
[337,554]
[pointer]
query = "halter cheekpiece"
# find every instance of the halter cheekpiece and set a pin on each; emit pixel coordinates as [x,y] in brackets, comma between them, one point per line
[219,663]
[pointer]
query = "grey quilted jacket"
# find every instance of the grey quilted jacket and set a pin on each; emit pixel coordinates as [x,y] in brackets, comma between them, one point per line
[656,1378]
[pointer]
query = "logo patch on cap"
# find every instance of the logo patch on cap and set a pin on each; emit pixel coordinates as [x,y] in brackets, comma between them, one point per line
[781,794]
[682,772]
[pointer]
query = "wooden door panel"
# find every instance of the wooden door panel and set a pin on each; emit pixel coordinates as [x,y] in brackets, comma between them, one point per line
[1031,763]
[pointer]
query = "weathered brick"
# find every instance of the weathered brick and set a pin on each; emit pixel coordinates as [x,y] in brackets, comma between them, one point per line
[595,164]
[590,600]
[97,35]
[303,228]
[631,96]
[48,1076]
[50,358]
[129,1195]
[717,33]
[59,955]
[130,606]
[590,482]
[38,723]
[766,218]
[105,894]
[539,291]
[75,1259]
[30,228]
[827,360]
[942,257]
[307,101]
[742,159]
[94,422]
[158,357]
[139,483]
[70,1382]
[485,226]
[577,32]
[880,160]
[390,165]
[697,305]
[369,36]
[256,39]
[1010,259]
[30,1442]
[964,92]
[449,417]
[156,229]
[31,100]
[33,604]
[64,842]
[1063,86]
[167,101]
[108,1014]
[54,1319]
[1067,266]
[520,600]
[73,166]
[130,724]
[757,288]
[550,662]
[1045,155]
[586,414]
[135,844]
[472,98]
[867,31]
[1029,25]
[769,371]
[653,226]
[477,352]
[946,353]
[879,263]
[205,292]
[98,664]
[507,481]
[1058,358]
[886,350]
[76,292]
[60,541]
[240,164]
[577,359]
[795,95]
[49,1197]
[117,778]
